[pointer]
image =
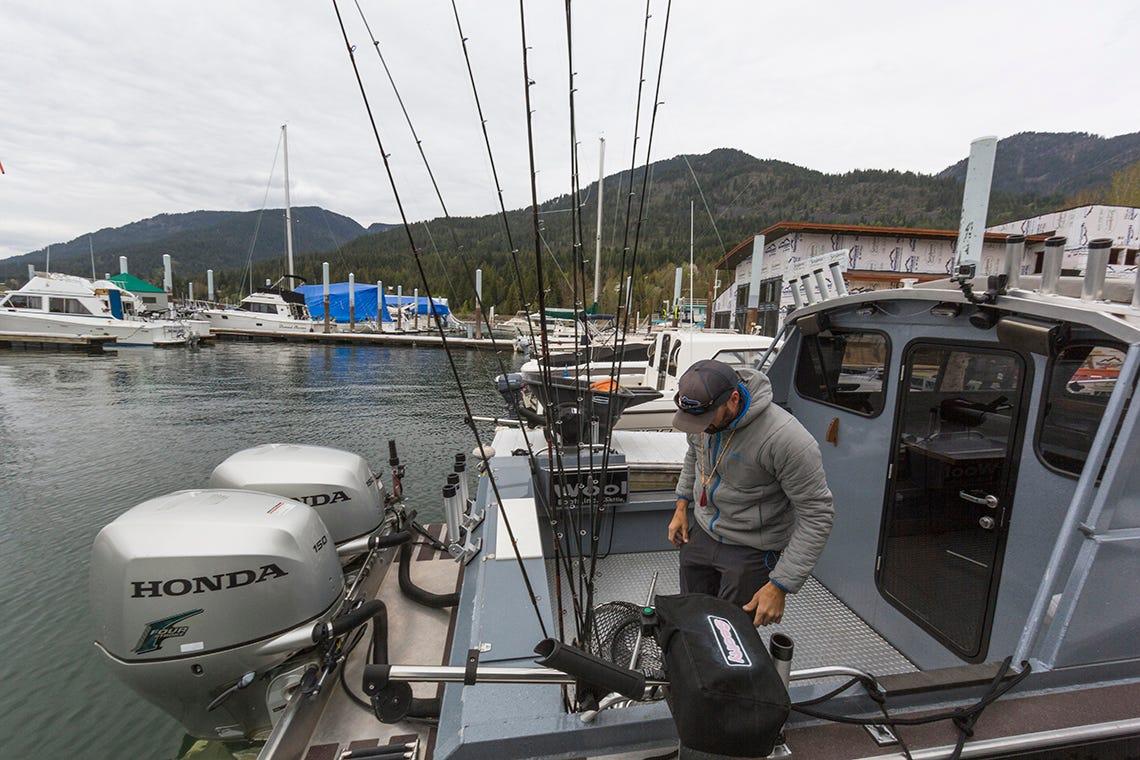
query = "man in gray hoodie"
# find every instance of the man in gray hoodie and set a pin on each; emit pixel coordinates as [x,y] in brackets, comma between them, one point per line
[755,479]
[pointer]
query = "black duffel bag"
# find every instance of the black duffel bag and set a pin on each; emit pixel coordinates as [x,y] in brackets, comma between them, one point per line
[724,692]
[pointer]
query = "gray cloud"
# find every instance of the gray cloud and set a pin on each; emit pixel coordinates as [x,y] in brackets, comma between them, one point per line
[115,111]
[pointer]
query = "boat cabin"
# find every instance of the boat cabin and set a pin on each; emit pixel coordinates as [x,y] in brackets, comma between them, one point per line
[673,351]
[285,304]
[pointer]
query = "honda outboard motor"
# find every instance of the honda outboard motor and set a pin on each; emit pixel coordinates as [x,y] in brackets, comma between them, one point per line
[207,603]
[338,484]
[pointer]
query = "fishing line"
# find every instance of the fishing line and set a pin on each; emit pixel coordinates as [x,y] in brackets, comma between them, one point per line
[435,313]
[706,203]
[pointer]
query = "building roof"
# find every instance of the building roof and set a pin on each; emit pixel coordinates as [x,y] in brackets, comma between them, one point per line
[743,249]
[134,284]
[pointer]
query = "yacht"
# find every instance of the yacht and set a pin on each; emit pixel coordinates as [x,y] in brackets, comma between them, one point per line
[268,310]
[66,305]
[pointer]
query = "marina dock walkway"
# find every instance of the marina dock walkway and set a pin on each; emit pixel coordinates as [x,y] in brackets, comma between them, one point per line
[372,339]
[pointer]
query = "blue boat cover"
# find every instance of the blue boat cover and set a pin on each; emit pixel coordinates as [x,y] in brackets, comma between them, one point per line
[365,302]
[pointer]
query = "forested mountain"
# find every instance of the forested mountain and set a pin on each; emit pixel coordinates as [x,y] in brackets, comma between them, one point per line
[198,240]
[744,194]
[735,195]
[1056,163]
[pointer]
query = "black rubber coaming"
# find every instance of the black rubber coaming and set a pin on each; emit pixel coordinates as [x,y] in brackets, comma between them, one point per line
[414,592]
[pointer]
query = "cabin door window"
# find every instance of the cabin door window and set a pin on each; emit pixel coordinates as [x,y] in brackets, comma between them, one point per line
[950,489]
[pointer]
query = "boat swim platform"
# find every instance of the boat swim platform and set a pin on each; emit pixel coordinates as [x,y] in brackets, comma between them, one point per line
[363,339]
[46,342]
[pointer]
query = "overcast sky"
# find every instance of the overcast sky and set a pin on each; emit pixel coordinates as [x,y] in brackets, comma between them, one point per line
[115,111]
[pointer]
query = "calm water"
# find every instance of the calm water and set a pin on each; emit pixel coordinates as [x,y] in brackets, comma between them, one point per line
[84,438]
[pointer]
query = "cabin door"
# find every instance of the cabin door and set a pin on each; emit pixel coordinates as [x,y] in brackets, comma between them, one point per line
[956,444]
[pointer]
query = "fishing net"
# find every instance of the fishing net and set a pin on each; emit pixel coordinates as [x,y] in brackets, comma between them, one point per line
[616,625]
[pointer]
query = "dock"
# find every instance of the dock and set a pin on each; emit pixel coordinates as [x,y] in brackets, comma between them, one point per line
[365,339]
[46,342]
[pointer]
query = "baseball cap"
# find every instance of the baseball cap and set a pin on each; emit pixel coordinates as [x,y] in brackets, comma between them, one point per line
[701,391]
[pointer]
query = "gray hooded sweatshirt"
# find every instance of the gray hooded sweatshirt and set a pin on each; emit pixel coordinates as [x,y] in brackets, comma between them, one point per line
[769,490]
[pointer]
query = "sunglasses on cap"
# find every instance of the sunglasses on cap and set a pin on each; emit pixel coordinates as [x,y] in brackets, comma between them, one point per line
[694,406]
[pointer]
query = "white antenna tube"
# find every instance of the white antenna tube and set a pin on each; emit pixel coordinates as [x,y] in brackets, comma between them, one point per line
[288,206]
[976,201]
[598,234]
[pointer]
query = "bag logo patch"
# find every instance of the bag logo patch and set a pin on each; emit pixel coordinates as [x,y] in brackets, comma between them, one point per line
[731,647]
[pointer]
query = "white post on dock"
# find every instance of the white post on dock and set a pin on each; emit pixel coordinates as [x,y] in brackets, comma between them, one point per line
[677,274]
[491,317]
[167,274]
[400,310]
[598,233]
[351,302]
[47,263]
[416,313]
[325,275]
[122,265]
[31,271]
[210,285]
[379,306]
[478,304]
[189,291]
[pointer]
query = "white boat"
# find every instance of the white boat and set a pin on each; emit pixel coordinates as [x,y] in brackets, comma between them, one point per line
[66,305]
[134,308]
[674,351]
[269,310]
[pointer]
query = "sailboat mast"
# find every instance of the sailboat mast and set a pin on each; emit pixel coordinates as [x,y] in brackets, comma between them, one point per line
[598,234]
[691,318]
[288,207]
[91,248]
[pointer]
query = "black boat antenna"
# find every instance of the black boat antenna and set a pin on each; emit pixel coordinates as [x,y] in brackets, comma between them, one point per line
[435,313]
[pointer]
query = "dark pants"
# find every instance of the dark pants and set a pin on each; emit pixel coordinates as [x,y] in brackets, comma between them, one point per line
[731,572]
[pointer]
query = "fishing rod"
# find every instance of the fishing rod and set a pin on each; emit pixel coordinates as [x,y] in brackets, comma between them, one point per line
[435,313]
[551,426]
[619,340]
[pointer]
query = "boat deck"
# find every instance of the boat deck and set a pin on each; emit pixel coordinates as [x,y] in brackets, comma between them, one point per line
[824,629]
[415,634]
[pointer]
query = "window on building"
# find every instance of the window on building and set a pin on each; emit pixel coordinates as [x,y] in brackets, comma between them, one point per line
[21,301]
[67,306]
[845,369]
[150,299]
[1130,257]
[1080,382]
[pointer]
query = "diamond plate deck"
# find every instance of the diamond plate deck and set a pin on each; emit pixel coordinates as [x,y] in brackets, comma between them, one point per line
[825,630]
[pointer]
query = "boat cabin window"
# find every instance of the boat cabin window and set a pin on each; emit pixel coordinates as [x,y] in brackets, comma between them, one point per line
[673,358]
[68,306]
[259,308]
[844,369]
[1080,381]
[21,301]
[738,358]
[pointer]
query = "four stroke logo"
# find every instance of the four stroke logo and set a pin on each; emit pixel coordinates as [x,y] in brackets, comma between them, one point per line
[158,631]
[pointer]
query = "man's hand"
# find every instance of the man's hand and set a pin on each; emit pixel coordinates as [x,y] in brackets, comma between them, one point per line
[766,605]
[679,525]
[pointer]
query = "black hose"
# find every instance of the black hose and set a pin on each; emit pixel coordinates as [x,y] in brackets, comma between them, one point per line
[417,594]
[389,539]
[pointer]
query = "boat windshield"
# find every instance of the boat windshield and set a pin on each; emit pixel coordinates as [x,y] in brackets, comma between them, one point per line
[21,301]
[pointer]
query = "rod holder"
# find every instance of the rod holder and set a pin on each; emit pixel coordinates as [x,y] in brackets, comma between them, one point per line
[821,284]
[1096,265]
[471,518]
[805,283]
[837,279]
[797,299]
[1051,269]
[781,647]
[460,544]
[1014,252]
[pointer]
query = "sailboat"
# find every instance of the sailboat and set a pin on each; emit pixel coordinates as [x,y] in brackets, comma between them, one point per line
[276,307]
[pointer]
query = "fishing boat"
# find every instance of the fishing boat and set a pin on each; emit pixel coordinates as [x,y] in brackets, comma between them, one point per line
[55,304]
[975,598]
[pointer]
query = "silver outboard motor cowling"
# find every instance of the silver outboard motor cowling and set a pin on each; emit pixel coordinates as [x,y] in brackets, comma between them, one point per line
[339,485]
[193,591]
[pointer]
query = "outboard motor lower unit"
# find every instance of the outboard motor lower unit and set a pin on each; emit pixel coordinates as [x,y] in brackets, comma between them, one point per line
[338,484]
[205,603]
